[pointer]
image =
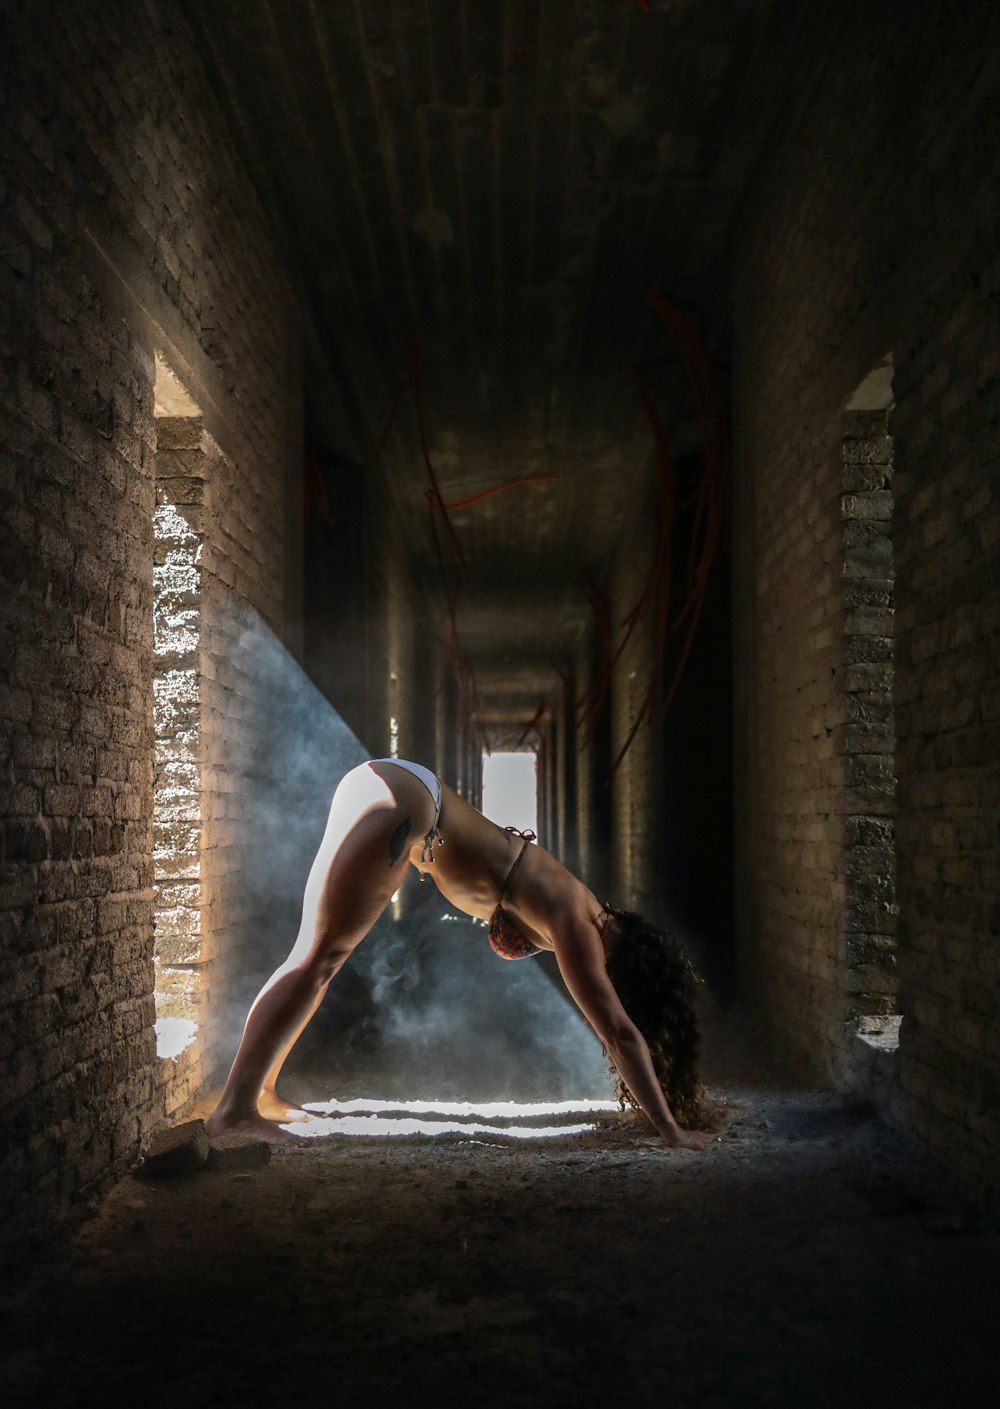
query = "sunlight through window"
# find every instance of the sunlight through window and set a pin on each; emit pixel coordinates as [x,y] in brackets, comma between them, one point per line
[506,1120]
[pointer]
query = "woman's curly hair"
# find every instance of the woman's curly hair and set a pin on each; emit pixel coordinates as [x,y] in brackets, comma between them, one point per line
[656,984]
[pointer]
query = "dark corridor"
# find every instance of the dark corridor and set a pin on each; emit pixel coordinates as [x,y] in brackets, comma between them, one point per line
[615,380]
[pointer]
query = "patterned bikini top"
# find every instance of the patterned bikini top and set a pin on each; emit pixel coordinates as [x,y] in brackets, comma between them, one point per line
[505,937]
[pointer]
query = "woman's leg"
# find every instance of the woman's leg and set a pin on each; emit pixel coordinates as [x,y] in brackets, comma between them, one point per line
[269,1103]
[359,866]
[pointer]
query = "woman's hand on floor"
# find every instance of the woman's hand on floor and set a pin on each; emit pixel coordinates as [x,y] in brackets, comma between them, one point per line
[678,1139]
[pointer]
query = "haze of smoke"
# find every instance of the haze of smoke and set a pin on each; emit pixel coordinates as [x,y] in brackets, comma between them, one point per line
[451,1017]
[292,754]
[423,1007]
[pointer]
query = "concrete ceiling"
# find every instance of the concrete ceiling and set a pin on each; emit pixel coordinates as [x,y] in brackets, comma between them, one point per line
[496,184]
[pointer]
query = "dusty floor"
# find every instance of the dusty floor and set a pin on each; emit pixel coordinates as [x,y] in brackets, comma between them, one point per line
[790,1265]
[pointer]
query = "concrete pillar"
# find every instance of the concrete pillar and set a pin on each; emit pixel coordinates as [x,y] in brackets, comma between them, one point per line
[550,834]
[541,757]
[454,768]
[462,753]
[474,768]
[468,764]
[593,794]
[438,704]
[566,775]
[372,725]
[582,750]
[558,736]
[635,786]
[402,727]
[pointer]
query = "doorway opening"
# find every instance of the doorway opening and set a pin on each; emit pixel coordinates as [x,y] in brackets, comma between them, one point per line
[510,789]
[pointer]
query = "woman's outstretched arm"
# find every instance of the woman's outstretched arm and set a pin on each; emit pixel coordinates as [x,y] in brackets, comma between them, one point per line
[580,956]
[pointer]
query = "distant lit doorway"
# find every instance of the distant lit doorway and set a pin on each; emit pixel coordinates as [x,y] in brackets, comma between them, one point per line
[510,789]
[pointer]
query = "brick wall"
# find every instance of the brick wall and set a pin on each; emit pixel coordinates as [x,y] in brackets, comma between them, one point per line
[127,228]
[208,943]
[948,725]
[869,232]
[180,921]
[866,738]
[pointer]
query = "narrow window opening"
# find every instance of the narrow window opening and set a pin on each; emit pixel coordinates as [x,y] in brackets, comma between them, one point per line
[510,789]
[177,803]
[869,735]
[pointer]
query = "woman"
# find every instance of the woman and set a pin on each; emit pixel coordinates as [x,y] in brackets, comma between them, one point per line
[389,814]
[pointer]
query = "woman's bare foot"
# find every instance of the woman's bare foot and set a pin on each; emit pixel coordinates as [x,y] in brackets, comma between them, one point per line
[274,1107]
[254,1126]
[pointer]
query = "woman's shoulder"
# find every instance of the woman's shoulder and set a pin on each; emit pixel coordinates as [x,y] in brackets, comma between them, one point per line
[549,888]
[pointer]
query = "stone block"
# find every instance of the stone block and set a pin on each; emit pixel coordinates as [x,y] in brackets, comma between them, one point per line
[874,505]
[233,1154]
[175,1151]
[865,438]
[178,941]
[868,649]
[865,476]
[26,840]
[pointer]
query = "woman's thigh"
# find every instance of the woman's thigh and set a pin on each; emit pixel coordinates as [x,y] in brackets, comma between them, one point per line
[363,857]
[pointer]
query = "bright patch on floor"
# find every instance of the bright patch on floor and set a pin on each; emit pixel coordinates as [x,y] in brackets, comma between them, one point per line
[173,1035]
[521,1118]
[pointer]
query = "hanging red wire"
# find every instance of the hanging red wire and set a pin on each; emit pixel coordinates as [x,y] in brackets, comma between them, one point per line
[591,702]
[314,488]
[710,511]
[467,687]
[714,489]
[532,723]
[435,503]
[413,363]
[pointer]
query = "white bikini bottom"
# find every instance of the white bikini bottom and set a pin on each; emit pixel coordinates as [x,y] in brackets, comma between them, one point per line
[433,785]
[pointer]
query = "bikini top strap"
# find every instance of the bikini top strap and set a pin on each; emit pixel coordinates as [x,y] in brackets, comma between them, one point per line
[528,837]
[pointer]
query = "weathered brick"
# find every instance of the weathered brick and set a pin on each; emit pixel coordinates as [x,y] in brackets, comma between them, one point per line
[76,554]
[61,800]
[867,449]
[875,506]
[938,537]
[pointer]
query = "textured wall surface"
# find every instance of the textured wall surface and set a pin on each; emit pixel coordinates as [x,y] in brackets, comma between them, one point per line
[869,233]
[178,819]
[220,711]
[127,228]
[867,737]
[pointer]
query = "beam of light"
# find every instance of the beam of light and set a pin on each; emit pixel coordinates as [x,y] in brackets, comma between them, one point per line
[412,981]
[386,1125]
[510,790]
